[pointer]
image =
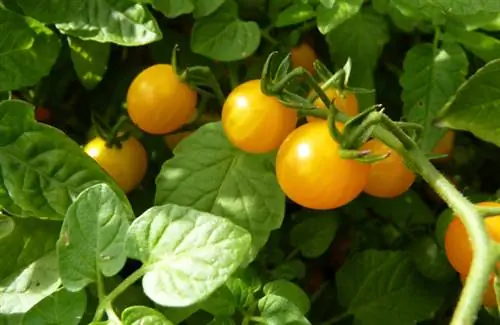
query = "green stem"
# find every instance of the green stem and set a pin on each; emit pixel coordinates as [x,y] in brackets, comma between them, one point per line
[258,320]
[336,319]
[483,261]
[106,301]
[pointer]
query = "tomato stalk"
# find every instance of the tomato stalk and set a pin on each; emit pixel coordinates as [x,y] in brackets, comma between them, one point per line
[106,301]
[391,133]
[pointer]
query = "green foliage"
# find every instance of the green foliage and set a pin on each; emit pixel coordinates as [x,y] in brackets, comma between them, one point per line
[213,189]
[209,236]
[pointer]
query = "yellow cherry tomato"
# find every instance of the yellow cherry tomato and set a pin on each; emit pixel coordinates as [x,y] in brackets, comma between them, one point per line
[346,102]
[445,146]
[126,165]
[255,122]
[457,244]
[304,56]
[389,177]
[311,172]
[158,101]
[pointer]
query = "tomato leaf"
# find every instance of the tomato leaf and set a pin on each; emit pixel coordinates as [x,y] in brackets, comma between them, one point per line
[313,235]
[182,247]
[295,14]
[178,314]
[220,303]
[475,106]
[371,283]
[405,210]
[331,17]
[7,225]
[36,177]
[206,7]
[92,237]
[402,20]
[455,7]
[328,3]
[291,292]
[90,60]
[243,285]
[278,310]
[429,80]
[209,174]
[361,38]
[140,315]
[483,46]
[222,321]
[289,270]
[223,36]
[171,8]
[117,21]
[28,49]
[22,290]
[30,240]
[61,308]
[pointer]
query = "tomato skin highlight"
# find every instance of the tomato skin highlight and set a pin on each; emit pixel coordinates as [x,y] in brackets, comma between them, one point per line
[158,101]
[254,122]
[311,172]
[346,103]
[303,55]
[389,177]
[457,244]
[126,165]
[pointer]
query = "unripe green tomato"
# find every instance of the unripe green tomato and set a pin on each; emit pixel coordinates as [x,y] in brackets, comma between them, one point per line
[442,223]
[430,260]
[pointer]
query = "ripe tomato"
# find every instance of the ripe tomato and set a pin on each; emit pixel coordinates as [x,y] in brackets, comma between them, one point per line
[158,101]
[389,177]
[345,102]
[457,244]
[311,172]
[126,165]
[445,146]
[42,114]
[254,122]
[304,56]
[489,296]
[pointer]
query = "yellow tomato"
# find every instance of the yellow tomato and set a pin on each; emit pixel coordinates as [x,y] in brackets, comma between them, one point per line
[126,165]
[311,172]
[345,102]
[158,101]
[445,146]
[304,56]
[389,177]
[457,244]
[255,122]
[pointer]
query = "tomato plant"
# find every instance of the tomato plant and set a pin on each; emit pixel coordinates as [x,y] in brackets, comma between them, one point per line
[389,177]
[345,101]
[126,162]
[303,55]
[311,172]
[158,101]
[224,162]
[255,122]
[457,243]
